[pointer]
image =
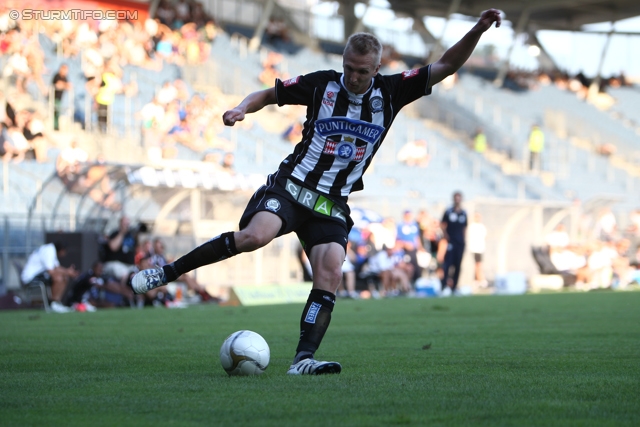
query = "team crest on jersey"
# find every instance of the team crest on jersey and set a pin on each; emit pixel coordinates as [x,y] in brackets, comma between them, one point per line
[273,205]
[410,73]
[292,81]
[376,104]
[345,150]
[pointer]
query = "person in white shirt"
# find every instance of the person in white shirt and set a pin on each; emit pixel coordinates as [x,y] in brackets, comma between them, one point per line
[476,239]
[558,238]
[44,265]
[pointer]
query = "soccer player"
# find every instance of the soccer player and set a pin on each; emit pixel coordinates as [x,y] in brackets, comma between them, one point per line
[348,116]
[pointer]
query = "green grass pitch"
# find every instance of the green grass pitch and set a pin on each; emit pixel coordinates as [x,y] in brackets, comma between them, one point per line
[532,360]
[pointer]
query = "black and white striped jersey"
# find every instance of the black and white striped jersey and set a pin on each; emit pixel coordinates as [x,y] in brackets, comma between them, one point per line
[343,130]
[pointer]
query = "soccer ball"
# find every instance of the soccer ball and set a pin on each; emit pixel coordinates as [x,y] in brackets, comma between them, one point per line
[244,353]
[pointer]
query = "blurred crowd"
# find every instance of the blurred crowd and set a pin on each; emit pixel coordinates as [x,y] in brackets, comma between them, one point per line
[605,257]
[386,258]
[22,134]
[181,34]
[177,117]
[121,254]
[578,83]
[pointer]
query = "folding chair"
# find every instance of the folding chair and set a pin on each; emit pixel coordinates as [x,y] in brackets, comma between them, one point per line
[34,285]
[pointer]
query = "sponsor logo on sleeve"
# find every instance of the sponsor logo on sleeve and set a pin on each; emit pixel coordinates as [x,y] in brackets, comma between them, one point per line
[292,81]
[410,73]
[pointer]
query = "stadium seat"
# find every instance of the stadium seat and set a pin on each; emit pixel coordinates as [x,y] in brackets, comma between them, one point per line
[542,258]
[35,285]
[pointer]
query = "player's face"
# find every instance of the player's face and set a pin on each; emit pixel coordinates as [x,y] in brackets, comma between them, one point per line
[359,70]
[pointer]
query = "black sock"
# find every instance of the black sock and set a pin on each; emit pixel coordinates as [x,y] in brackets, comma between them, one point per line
[314,322]
[216,249]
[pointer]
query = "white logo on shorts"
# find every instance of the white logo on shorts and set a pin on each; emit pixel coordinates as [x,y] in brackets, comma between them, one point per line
[272,205]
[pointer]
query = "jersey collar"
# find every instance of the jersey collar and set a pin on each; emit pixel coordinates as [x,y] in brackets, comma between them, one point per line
[358,95]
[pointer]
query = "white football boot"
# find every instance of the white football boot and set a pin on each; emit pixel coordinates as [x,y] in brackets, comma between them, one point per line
[314,367]
[145,280]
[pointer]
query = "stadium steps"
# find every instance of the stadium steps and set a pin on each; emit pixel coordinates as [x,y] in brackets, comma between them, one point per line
[529,106]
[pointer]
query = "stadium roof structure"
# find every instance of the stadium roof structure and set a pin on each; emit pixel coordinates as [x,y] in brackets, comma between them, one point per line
[141,191]
[568,15]
[526,16]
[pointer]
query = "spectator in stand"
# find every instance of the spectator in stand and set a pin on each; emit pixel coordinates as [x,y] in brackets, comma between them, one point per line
[293,134]
[44,265]
[33,133]
[415,153]
[69,165]
[480,141]
[120,251]
[110,85]
[209,32]
[97,180]
[18,67]
[270,70]
[191,44]
[383,234]
[276,32]
[152,116]
[92,64]
[408,239]
[60,85]
[348,284]
[558,238]
[167,93]
[477,245]
[166,13]
[429,232]
[634,225]
[606,226]
[92,289]
[635,259]
[15,145]
[183,14]
[383,264]
[181,133]
[536,147]
[228,162]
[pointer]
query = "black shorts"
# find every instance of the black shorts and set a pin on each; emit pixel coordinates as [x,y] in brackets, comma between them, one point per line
[477,257]
[315,218]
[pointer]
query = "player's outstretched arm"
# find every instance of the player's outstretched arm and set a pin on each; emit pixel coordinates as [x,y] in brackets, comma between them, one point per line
[253,102]
[458,54]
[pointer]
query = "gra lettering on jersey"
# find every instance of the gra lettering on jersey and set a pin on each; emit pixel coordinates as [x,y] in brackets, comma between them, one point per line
[342,125]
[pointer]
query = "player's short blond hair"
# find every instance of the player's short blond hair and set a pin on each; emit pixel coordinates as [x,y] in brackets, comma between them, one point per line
[364,44]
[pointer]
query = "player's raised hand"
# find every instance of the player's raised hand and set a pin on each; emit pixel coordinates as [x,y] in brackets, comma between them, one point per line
[232,116]
[488,17]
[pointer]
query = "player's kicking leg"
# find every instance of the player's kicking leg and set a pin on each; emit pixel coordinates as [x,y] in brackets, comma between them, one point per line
[262,228]
[326,261]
